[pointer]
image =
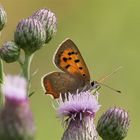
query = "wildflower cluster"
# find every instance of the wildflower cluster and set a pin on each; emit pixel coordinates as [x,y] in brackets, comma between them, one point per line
[31,34]
[78,112]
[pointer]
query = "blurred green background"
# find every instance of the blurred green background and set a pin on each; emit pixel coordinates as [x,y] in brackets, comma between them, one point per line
[108,36]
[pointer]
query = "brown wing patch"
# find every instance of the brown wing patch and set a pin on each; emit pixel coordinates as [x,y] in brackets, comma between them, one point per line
[69,59]
[59,82]
[49,89]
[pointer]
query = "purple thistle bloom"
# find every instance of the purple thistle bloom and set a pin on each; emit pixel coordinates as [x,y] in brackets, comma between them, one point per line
[79,111]
[82,102]
[16,120]
[48,20]
[30,35]
[9,52]
[14,88]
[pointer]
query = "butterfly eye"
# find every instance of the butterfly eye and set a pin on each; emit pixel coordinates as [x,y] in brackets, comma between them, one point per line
[95,85]
[92,83]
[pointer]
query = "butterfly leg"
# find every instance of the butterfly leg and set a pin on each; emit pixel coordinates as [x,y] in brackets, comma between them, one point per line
[96,95]
[94,91]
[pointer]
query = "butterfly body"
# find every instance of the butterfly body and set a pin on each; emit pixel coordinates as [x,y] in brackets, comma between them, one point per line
[74,74]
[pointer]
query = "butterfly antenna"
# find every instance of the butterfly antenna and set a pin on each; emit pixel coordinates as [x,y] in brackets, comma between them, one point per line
[118,91]
[107,76]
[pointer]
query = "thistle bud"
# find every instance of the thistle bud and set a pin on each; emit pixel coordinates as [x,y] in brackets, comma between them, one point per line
[48,19]
[3,17]
[10,52]
[30,35]
[113,124]
[16,121]
[79,111]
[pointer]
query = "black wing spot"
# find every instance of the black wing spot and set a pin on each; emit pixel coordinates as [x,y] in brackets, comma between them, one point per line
[69,58]
[67,66]
[71,53]
[80,68]
[77,61]
[65,59]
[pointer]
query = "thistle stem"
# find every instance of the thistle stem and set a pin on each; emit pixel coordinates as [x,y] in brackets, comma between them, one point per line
[1,81]
[26,68]
[1,71]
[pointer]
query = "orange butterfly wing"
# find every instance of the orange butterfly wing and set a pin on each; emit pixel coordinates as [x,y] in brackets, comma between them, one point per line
[76,76]
[69,60]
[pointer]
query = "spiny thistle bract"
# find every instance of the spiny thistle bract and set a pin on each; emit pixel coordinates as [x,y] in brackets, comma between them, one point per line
[3,17]
[9,52]
[113,124]
[30,35]
[48,19]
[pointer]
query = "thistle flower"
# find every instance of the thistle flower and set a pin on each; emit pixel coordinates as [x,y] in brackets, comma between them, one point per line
[79,109]
[48,19]
[3,17]
[16,122]
[30,35]
[113,124]
[10,52]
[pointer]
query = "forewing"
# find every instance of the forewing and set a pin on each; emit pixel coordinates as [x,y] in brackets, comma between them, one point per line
[69,59]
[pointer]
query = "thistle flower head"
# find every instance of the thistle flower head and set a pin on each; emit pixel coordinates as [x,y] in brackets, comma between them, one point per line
[3,17]
[30,35]
[10,52]
[113,124]
[82,103]
[14,88]
[79,109]
[16,121]
[48,20]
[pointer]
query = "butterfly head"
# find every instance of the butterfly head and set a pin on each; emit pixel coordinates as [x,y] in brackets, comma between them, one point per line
[95,85]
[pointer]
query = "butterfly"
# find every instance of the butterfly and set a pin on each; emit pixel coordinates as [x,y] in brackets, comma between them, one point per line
[74,74]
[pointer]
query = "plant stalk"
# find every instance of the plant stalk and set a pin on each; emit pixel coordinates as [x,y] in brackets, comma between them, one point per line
[26,68]
[1,81]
